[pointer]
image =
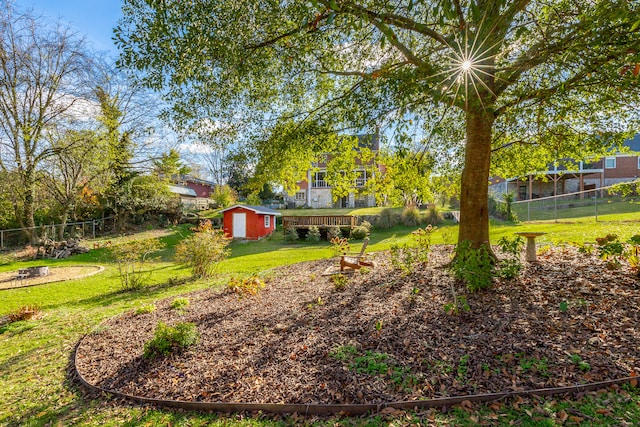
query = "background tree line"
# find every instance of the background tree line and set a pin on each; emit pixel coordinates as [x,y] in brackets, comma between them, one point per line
[78,140]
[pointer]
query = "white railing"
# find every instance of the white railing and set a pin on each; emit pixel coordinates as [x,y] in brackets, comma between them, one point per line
[321,183]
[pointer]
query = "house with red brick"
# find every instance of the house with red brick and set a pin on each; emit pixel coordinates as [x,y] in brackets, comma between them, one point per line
[248,222]
[315,192]
[194,192]
[569,176]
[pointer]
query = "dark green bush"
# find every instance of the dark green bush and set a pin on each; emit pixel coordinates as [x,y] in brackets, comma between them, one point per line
[314,234]
[291,234]
[168,338]
[502,209]
[359,232]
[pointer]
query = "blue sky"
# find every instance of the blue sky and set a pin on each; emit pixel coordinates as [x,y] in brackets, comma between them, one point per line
[94,19]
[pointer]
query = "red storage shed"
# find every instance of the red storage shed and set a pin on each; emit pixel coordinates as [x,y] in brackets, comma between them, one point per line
[248,222]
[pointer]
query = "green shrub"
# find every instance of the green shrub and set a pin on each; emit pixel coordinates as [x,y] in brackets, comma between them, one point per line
[386,219]
[610,250]
[422,237]
[203,250]
[510,268]
[473,266]
[313,235]
[168,338]
[223,196]
[410,216]
[254,199]
[458,305]
[340,281]
[359,232]
[180,303]
[291,234]
[132,258]
[145,309]
[501,209]
[584,248]
[403,258]
[246,286]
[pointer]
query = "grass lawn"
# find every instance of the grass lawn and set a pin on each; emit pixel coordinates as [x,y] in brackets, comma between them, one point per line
[35,354]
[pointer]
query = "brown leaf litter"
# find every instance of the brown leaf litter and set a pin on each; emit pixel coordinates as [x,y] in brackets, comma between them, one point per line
[386,337]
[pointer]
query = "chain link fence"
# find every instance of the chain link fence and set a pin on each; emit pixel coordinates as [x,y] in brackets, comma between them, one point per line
[614,199]
[19,237]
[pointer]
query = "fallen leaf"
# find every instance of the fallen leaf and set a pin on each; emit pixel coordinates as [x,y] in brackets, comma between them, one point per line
[390,411]
[466,404]
[496,406]
[562,415]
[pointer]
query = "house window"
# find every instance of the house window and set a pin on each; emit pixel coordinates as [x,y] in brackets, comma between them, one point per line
[267,221]
[300,196]
[361,179]
[638,162]
[610,163]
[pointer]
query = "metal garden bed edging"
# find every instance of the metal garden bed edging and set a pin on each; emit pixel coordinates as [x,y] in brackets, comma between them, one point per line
[348,409]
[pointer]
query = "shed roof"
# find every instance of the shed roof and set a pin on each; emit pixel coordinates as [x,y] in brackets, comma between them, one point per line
[263,210]
[183,191]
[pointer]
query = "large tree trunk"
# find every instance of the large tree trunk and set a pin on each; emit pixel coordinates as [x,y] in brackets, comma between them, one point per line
[28,207]
[64,218]
[474,205]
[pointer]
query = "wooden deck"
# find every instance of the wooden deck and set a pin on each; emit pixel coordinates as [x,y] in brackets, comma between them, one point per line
[323,221]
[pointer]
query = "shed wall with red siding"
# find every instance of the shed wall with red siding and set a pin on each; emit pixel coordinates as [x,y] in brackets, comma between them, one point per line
[255,228]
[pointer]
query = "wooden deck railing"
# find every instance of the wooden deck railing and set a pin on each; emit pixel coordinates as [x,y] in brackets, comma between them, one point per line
[320,221]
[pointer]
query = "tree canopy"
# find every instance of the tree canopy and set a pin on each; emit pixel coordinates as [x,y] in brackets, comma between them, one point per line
[511,83]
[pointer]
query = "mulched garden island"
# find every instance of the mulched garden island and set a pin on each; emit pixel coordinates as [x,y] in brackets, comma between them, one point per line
[385,337]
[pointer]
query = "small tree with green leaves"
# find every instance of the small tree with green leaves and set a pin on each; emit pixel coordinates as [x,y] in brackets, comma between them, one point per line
[203,250]
[224,196]
[254,199]
[132,259]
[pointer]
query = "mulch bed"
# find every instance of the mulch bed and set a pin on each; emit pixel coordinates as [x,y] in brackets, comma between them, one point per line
[386,337]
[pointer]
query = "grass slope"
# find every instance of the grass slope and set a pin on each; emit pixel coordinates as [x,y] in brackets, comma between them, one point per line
[35,354]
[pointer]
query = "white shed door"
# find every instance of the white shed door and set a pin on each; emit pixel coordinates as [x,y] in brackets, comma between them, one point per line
[240,225]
